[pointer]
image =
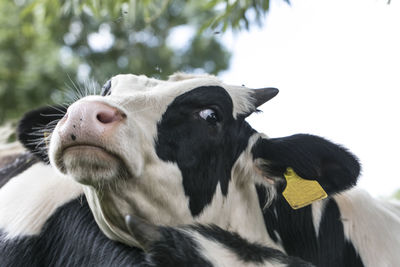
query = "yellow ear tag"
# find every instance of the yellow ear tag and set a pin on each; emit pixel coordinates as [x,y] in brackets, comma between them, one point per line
[300,192]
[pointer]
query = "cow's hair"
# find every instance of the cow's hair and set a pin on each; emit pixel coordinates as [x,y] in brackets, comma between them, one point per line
[180,76]
[70,237]
[330,164]
[176,133]
[35,128]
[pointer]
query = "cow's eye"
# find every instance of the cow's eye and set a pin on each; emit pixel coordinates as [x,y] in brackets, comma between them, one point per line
[209,115]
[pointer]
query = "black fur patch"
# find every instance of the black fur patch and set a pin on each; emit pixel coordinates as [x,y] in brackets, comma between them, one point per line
[294,227]
[311,157]
[70,237]
[297,233]
[175,248]
[204,152]
[334,249]
[247,252]
[19,165]
[36,125]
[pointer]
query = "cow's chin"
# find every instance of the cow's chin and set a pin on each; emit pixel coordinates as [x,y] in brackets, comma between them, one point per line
[91,165]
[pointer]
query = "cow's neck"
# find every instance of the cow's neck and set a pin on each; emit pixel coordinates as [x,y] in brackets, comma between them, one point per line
[156,196]
[159,197]
[239,211]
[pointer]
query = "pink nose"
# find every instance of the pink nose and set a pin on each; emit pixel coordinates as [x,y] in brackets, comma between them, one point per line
[89,121]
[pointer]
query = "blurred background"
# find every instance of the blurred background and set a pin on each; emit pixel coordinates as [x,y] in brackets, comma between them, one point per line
[336,63]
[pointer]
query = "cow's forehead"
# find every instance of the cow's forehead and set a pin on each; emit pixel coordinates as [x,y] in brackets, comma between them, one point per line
[130,85]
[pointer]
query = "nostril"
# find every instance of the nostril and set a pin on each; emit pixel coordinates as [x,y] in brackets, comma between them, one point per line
[109,116]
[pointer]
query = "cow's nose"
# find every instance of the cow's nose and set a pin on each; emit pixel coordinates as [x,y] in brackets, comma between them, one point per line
[106,114]
[88,121]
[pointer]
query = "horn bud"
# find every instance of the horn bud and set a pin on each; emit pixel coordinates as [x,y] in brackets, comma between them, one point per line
[263,95]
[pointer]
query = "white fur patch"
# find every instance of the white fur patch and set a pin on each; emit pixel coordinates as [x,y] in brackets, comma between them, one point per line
[238,212]
[317,209]
[157,195]
[372,227]
[164,92]
[30,198]
[180,76]
[219,255]
[392,205]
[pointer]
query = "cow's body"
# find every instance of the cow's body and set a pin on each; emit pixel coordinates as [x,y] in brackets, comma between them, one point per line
[180,152]
[69,235]
[45,220]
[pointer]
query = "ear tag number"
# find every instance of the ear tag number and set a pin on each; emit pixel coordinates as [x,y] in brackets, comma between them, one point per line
[300,192]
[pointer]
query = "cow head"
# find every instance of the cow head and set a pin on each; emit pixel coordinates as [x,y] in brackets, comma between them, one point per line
[178,151]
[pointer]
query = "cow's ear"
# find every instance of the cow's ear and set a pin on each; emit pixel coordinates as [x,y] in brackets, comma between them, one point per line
[35,128]
[310,157]
[142,231]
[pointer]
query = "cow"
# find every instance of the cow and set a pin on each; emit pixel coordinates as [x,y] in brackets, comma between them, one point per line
[45,220]
[180,152]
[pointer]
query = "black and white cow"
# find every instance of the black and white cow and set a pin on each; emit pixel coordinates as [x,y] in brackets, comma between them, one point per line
[46,221]
[180,152]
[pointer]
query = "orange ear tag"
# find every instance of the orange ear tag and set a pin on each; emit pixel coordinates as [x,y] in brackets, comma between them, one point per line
[300,192]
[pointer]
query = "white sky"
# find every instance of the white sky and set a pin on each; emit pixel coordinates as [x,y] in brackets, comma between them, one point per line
[337,65]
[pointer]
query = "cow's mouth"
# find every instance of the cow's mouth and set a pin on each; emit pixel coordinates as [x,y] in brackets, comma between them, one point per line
[90,164]
[87,148]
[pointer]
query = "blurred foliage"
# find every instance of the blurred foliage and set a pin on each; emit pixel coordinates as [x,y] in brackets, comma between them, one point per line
[48,47]
[214,14]
[397,195]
